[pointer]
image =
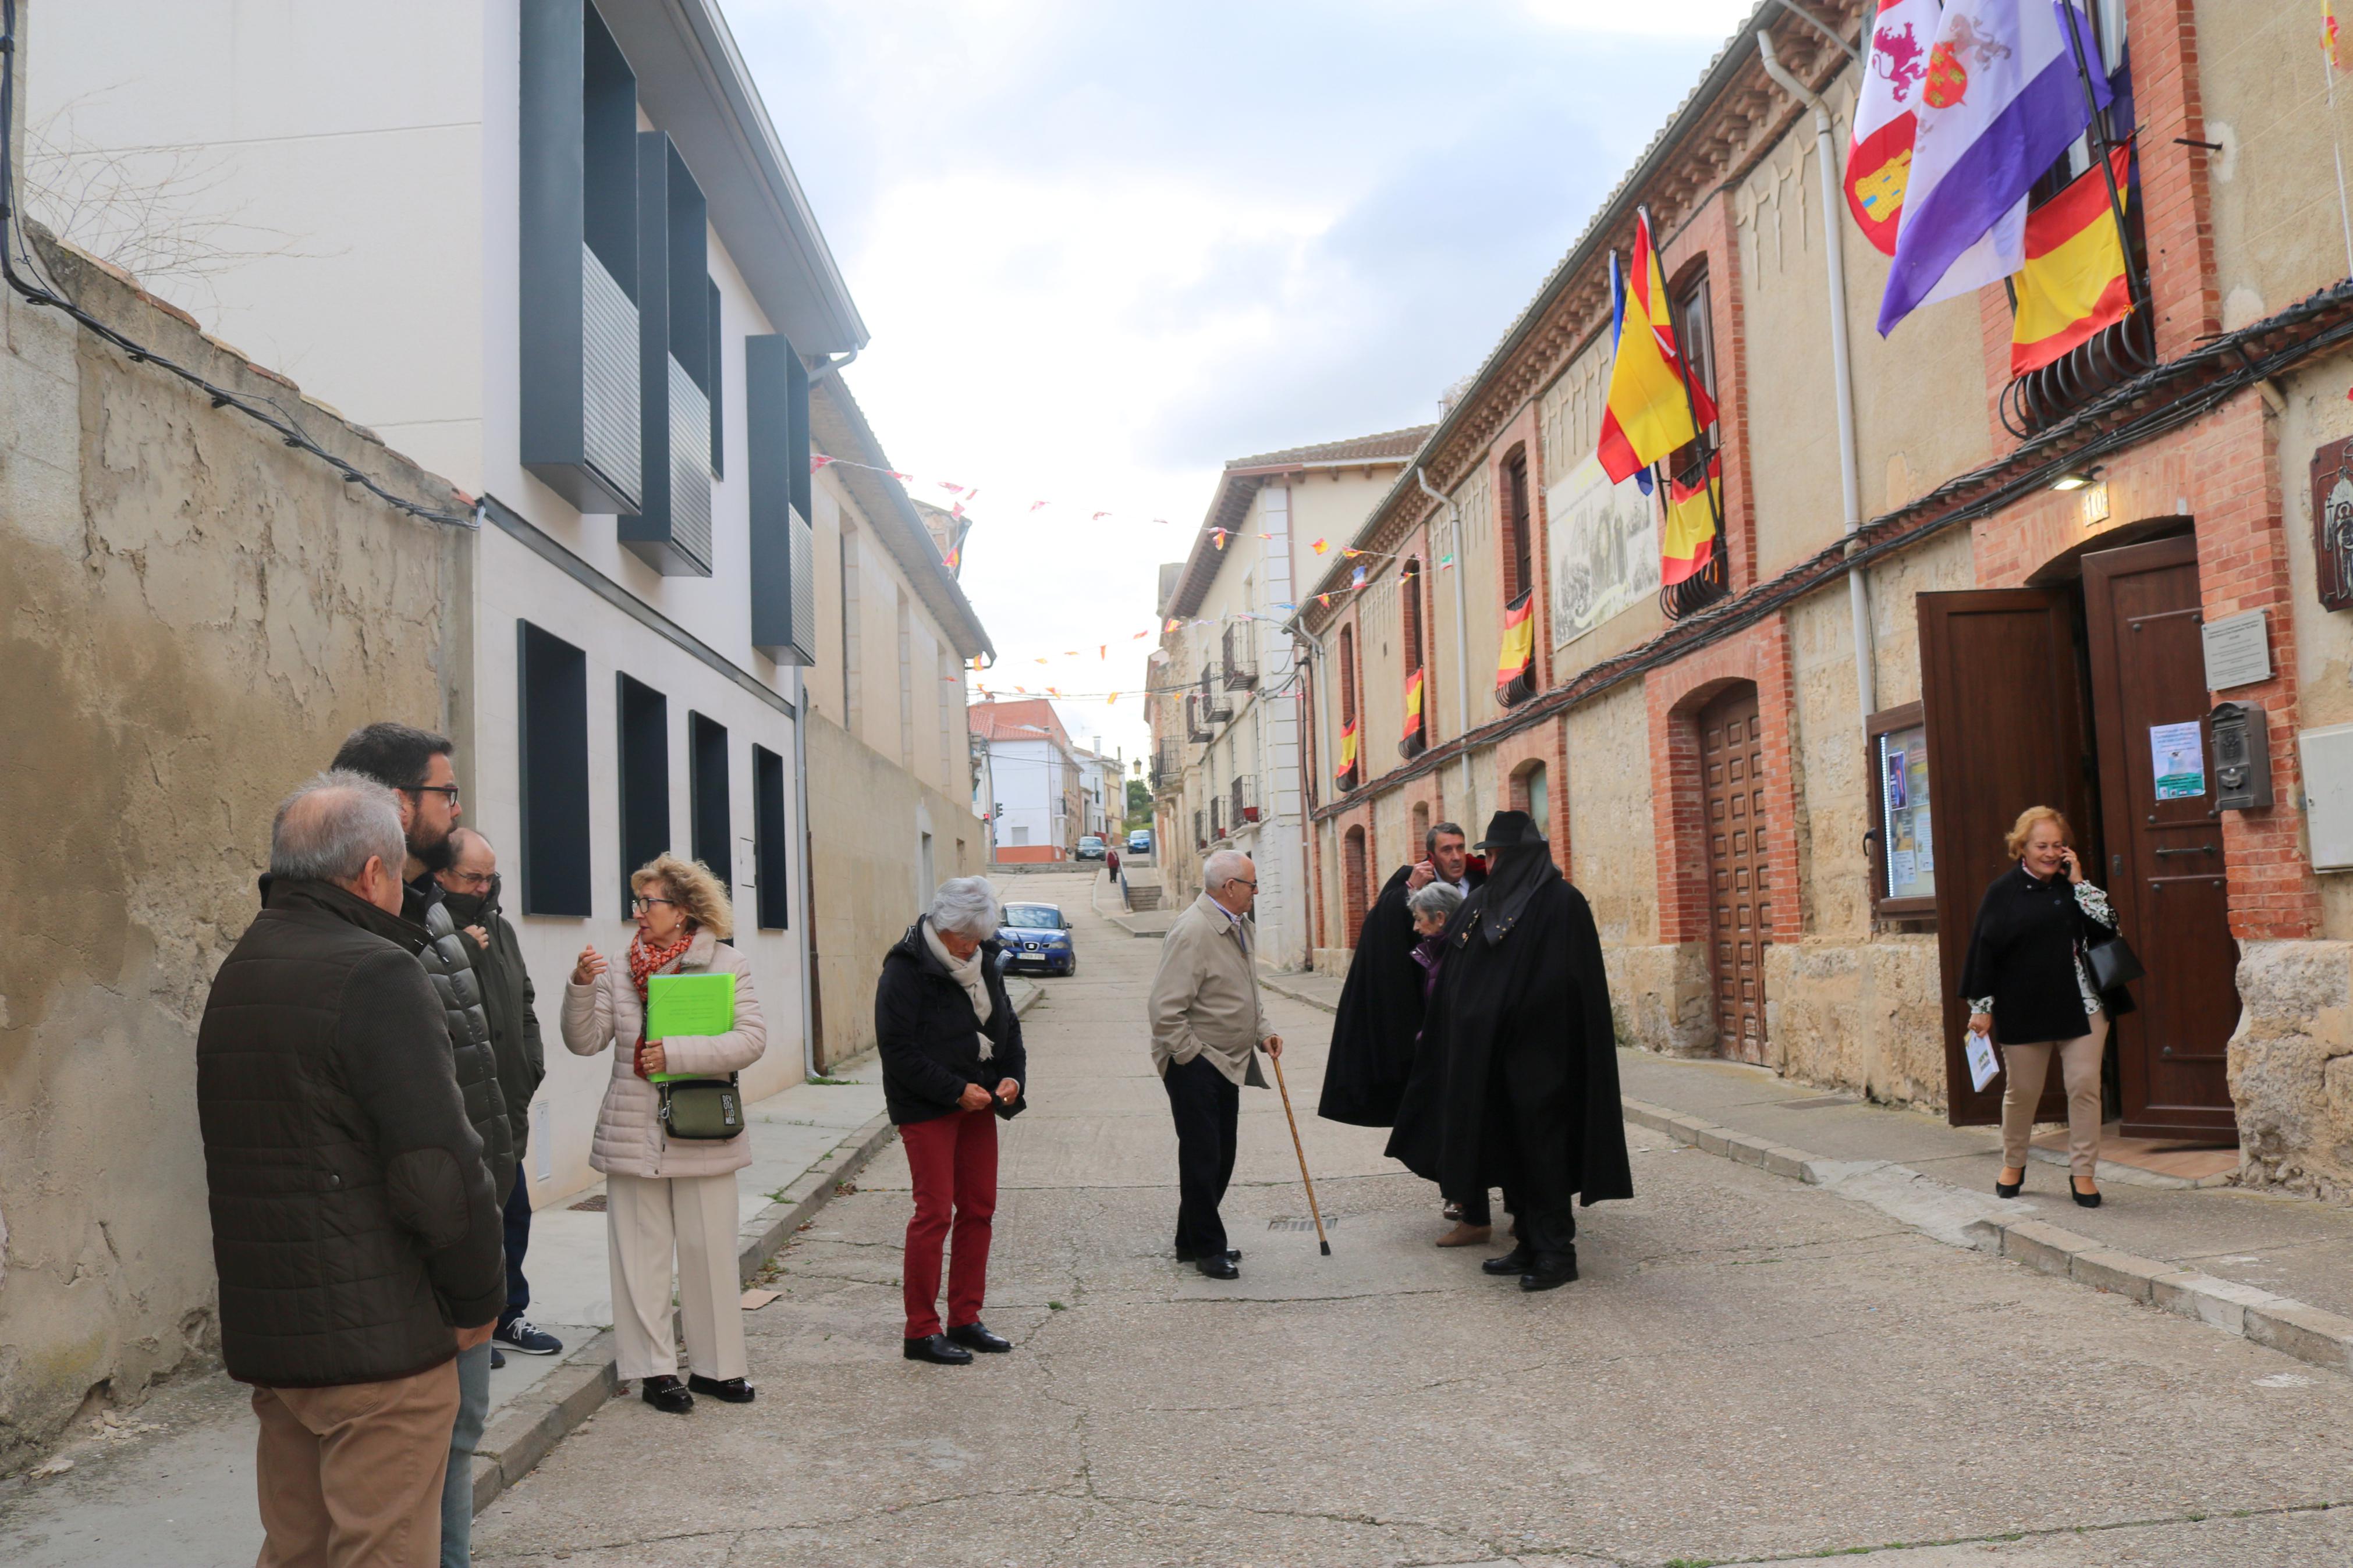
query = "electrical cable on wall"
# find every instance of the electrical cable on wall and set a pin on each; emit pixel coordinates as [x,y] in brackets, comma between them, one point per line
[14,246]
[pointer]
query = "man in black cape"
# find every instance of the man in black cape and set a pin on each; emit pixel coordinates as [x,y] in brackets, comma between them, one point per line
[1517,1081]
[1380,1003]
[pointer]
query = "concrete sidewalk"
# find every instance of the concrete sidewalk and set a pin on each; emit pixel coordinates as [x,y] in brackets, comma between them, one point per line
[171,1479]
[2262,1247]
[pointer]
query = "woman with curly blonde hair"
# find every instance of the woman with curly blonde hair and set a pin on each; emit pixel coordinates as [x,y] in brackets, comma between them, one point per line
[665,1195]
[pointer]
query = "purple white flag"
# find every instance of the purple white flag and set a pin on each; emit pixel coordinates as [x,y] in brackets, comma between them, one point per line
[2001,101]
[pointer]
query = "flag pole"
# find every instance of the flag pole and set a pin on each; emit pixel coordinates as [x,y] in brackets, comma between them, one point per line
[2328,82]
[1717,565]
[2104,151]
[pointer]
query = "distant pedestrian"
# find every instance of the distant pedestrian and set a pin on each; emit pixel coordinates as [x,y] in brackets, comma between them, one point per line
[952,1063]
[2029,989]
[665,1195]
[471,892]
[1207,1028]
[1111,864]
[324,1055]
[1518,1074]
[415,765]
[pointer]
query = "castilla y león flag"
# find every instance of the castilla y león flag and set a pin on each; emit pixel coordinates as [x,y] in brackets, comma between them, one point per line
[2073,283]
[1879,160]
[1650,409]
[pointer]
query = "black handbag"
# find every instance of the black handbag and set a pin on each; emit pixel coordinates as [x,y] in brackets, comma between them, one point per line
[702,1108]
[2114,964]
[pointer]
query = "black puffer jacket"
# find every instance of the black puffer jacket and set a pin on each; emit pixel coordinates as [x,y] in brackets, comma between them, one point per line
[511,1004]
[930,1043]
[450,964]
[353,1223]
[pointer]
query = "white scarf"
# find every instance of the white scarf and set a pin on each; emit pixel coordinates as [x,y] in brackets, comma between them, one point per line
[966,973]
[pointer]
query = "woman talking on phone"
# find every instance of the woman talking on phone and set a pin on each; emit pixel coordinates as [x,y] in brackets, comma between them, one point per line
[2029,988]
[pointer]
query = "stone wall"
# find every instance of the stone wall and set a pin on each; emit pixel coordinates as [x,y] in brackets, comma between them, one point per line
[867,818]
[2291,1066]
[193,615]
[1865,1016]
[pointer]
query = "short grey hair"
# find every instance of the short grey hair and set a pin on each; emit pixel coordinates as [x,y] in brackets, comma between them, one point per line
[1439,899]
[966,906]
[1437,831]
[1222,868]
[325,831]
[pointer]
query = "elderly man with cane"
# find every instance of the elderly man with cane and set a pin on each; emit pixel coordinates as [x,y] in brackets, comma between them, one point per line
[1207,1030]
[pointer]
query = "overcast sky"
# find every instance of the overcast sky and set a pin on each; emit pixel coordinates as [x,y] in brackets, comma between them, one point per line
[1102,247]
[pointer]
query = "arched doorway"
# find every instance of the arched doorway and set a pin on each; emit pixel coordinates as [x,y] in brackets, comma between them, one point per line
[1739,892]
[1532,794]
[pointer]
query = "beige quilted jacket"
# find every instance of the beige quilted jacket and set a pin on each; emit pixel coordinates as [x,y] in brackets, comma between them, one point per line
[604,1012]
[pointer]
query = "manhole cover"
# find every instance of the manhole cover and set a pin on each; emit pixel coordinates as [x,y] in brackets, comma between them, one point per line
[1331,1222]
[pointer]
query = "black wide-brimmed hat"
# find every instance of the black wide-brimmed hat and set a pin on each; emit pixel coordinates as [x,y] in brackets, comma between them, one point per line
[1510,830]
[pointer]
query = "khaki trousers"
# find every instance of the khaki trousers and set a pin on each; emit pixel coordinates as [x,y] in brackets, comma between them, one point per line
[2079,1063]
[351,1475]
[649,1220]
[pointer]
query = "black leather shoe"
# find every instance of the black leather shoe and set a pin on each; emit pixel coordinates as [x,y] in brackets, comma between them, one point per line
[1217,1267]
[2083,1198]
[1232,1255]
[1519,1260]
[1550,1273]
[666,1392]
[2002,1189]
[974,1336]
[938,1348]
[734,1390]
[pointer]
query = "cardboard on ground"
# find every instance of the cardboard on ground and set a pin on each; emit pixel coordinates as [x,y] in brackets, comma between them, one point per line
[688,1004]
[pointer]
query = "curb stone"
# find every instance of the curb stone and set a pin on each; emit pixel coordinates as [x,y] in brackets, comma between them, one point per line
[2282,1323]
[528,1430]
[1268,984]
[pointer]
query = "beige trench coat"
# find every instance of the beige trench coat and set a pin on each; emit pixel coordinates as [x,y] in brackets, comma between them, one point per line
[1204,998]
[629,1140]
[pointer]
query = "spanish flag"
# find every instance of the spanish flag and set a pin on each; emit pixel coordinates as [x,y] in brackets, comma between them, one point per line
[1688,539]
[1345,772]
[2073,283]
[1515,665]
[1413,706]
[1650,408]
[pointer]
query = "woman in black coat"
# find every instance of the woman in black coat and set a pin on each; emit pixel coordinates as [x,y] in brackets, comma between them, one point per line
[2029,986]
[952,1064]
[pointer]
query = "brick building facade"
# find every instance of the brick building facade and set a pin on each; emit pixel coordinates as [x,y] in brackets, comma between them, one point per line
[1745,789]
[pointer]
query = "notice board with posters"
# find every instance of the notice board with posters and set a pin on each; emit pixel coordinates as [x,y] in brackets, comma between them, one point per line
[1605,549]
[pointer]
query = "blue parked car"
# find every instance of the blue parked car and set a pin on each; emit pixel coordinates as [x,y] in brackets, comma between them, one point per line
[1036,936]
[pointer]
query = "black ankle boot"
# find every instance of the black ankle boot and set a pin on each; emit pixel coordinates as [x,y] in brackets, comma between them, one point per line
[1519,1260]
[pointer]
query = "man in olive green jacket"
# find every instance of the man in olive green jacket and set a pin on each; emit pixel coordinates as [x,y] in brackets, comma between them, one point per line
[1206,1029]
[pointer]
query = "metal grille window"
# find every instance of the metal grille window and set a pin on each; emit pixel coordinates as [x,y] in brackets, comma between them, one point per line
[642,731]
[552,749]
[712,826]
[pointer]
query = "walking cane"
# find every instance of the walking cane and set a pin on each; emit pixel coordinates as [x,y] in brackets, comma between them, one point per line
[1298,1150]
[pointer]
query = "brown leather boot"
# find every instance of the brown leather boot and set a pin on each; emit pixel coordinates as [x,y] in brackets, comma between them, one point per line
[1466,1235]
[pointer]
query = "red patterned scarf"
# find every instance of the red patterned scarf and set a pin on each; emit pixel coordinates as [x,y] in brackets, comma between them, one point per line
[645,961]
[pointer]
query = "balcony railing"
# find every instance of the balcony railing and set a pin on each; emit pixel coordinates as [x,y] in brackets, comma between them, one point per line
[1196,728]
[1244,802]
[1240,663]
[1215,707]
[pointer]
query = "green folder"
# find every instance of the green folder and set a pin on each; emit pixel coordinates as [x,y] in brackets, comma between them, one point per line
[688,1004]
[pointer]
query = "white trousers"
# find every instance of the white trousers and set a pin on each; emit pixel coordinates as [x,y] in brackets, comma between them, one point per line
[649,1219]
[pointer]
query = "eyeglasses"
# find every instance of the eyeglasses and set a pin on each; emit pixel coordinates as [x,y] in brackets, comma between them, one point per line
[641,906]
[468,879]
[1232,881]
[450,790]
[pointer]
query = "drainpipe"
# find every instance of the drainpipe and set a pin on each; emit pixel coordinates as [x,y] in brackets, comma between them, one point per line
[831,365]
[1470,813]
[1858,589]
[809,904]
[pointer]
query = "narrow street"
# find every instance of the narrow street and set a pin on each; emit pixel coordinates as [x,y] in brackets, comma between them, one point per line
[1749,1369]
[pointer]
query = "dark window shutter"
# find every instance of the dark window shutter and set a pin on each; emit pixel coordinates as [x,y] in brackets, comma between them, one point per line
[554,753]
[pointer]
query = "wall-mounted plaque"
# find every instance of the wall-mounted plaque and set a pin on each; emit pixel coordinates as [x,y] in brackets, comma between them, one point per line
[2332,523]
[2237,650]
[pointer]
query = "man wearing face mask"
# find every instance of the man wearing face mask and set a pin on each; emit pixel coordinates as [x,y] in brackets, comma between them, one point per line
[470,893]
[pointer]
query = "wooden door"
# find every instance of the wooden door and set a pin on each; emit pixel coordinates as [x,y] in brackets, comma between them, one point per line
[1740,915]
[2164,870]
[2002,690]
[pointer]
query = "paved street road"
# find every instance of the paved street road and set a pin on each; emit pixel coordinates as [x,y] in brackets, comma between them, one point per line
[1749,1369]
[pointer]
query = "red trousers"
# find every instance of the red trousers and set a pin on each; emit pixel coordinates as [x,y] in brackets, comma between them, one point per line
[954,1161]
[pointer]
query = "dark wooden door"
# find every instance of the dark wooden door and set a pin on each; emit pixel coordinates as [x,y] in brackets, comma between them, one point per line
[2002,690]
[2164,871]
[1740,912]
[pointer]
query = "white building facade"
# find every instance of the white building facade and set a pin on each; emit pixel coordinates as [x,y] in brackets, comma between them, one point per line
[555,251]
